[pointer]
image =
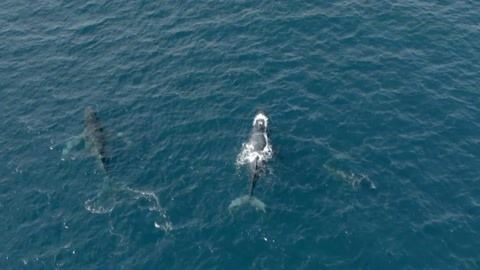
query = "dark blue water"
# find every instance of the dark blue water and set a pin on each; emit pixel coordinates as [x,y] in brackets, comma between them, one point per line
[374,119]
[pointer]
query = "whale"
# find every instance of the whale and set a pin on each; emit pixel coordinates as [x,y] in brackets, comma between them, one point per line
[94,137]
[258,142]
[255,154]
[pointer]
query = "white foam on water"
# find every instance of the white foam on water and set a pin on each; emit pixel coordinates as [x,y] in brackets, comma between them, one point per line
[104,205]
[165,224]
[150,196]
[93,206]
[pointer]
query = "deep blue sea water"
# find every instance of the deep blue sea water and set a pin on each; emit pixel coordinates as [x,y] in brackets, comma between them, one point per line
[374,120]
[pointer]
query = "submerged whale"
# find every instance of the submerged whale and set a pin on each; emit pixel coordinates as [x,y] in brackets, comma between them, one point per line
[255,154]
[94,137]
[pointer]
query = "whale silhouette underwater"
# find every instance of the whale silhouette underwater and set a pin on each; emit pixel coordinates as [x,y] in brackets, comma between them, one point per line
[94,138]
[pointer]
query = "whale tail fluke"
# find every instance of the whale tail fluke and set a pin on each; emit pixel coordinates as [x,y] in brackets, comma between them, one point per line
[250,199]
[247,199]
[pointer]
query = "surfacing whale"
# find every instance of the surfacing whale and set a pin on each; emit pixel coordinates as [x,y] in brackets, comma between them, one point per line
[255,154]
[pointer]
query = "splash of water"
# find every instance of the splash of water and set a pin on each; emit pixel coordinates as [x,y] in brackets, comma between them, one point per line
[248,154]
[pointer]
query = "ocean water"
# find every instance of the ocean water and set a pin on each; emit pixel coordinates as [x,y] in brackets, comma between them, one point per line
[374,122]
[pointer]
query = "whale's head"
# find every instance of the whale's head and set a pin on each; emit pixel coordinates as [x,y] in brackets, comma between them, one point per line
[260,122]
[90,115]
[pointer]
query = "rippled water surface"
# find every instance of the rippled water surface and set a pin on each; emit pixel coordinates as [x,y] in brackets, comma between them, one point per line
[374,122]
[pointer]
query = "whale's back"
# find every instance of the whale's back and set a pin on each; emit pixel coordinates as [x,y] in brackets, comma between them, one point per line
[95,136]
[258,141]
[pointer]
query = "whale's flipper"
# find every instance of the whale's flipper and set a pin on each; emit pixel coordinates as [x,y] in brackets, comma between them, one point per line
[72,143]
[253,201]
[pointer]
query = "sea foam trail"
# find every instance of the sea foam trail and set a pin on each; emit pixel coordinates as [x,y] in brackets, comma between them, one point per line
[109,197]
[162,221]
